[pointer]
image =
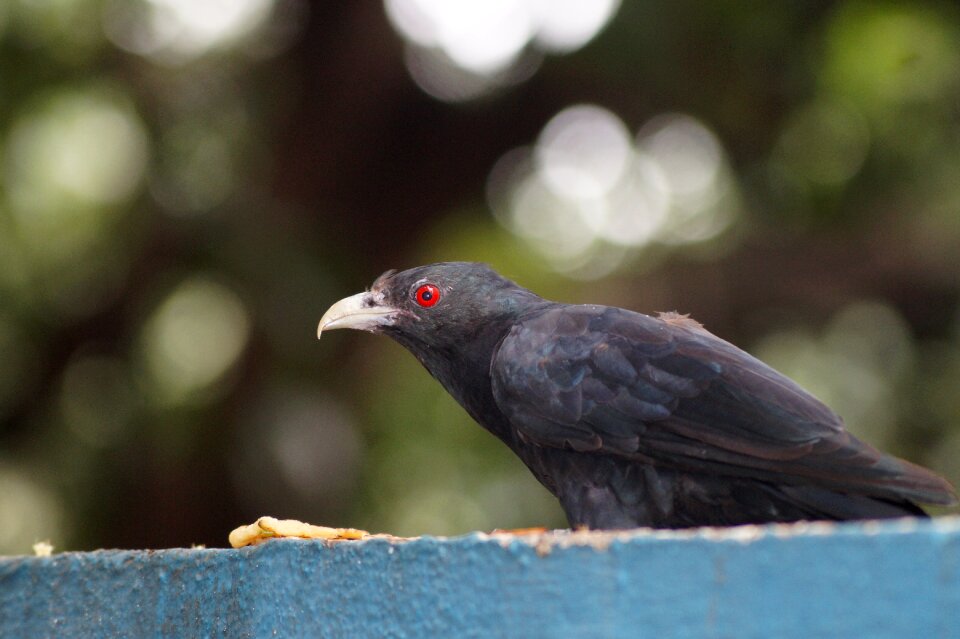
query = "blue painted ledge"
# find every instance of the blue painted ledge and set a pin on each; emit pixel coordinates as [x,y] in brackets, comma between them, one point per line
[896,579]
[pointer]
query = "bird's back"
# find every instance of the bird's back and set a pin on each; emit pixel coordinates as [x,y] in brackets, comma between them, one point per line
[635,420]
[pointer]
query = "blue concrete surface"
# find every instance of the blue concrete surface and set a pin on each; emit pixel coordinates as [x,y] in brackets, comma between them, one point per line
[897,579]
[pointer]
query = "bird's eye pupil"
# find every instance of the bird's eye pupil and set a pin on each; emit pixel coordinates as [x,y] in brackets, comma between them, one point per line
[427,295]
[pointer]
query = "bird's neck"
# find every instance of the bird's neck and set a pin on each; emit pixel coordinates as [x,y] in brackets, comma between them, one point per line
[462,366]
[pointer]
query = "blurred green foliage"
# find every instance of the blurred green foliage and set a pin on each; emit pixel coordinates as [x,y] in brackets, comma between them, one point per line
[185,189]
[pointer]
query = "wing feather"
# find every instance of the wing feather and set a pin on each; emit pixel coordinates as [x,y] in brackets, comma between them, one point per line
[611,381]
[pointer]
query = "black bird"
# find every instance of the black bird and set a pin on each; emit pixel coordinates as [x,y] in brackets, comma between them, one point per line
[632,420]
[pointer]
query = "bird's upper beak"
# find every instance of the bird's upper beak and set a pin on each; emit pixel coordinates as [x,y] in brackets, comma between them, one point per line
[363,311]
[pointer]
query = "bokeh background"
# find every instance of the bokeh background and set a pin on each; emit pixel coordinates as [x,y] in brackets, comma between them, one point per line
[186,185]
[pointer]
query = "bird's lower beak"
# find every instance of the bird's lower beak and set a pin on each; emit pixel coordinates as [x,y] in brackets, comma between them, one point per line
[360,311]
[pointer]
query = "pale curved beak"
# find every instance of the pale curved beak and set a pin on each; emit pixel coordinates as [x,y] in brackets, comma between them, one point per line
[360,312]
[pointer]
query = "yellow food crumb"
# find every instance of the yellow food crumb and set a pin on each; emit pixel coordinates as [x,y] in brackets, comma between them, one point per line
[270,528]
[43,549]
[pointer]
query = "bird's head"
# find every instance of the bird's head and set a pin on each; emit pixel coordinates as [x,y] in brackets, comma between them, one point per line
[438,311]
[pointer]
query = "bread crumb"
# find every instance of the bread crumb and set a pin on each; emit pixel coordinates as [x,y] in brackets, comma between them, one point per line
[269,528]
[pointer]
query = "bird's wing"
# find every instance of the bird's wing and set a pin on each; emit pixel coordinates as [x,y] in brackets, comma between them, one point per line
[611,381]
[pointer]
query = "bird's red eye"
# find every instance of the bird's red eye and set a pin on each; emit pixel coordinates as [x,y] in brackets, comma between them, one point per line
[427,295]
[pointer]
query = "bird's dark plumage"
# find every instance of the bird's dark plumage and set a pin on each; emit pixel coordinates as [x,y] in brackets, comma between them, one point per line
[632,420]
